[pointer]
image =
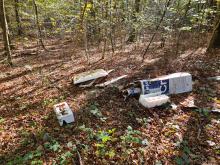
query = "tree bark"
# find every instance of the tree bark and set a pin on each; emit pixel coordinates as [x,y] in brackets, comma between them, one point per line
[215,39]
[158,26]
[38,26]
[4,26]
[17,17]
[180,33]
[132,34]
[84,28]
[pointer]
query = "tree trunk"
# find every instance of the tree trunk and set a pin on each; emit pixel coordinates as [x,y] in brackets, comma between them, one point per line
[180,33]
[18,20]
[112,27]
[84,28]
[158,26]
[4,26]
[38,26]
[215,39]
[132,34]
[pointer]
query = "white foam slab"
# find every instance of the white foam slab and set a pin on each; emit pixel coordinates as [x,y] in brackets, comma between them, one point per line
[153,101]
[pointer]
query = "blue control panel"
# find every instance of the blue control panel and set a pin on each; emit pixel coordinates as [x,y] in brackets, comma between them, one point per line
[149,86]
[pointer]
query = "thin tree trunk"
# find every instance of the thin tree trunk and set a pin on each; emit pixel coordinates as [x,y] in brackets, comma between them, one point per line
[18,20]
[215,39]
[152,38]
[86,41]
[180,33]
[5,31]
[84,27]
[112,28]
[40,37]
[132,35]
[104,16]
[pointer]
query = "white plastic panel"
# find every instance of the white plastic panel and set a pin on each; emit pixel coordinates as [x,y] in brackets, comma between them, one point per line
[89,75]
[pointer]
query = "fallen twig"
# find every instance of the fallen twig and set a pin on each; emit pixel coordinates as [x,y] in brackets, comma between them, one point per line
[80,158]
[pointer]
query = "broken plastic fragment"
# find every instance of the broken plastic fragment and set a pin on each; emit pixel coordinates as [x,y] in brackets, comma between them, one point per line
[211,143]
[145,142]
[131,92]
[111,81]
[89,75]
[217,78]
[216,111]
[64,113]
[173,106]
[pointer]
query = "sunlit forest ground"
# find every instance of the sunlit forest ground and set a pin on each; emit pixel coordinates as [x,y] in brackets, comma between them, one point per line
[30,133]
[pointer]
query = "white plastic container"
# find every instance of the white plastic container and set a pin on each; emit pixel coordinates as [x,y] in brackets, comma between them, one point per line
[149,101]
[170,84]
[64,113]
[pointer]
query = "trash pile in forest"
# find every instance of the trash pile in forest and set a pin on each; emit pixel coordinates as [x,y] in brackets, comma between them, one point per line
[151,93]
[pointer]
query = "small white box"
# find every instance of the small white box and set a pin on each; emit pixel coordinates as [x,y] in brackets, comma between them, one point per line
[64,113]
[149,101]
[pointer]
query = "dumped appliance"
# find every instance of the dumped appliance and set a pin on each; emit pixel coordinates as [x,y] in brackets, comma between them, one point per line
[64,113]
[153,92]
[175,83]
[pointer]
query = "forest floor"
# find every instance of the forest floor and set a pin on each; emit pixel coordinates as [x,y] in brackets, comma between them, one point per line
[119,132]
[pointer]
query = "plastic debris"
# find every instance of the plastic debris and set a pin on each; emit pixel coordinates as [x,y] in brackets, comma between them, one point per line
[153,101]
[90,75]
[111,81]
[64,113]
[217,78]
[131,92]
[175,83]
[211,143]
[189,103]
[88,85]
[173,106]
[145,142]
[216,111]
[154,92]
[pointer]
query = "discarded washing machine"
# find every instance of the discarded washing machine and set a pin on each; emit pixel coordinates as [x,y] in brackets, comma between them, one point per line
[64,113]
